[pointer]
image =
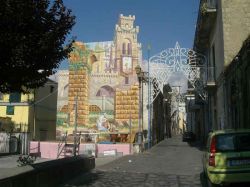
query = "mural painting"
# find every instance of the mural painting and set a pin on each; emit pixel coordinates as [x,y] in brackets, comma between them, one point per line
[102,83]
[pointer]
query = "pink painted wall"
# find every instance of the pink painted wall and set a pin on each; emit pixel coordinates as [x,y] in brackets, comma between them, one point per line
[49,149]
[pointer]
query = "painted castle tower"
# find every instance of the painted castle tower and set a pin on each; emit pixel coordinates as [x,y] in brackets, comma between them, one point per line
[102,77]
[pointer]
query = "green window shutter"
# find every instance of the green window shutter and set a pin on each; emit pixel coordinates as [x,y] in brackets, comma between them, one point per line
[10,110]
[15,97]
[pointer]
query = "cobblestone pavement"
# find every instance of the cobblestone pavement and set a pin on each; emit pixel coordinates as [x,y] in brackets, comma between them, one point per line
[171,163]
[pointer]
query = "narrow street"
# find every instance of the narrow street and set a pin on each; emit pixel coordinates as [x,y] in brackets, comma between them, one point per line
[171,163]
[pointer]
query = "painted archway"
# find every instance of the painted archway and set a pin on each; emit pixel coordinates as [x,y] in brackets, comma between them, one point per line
[106,91]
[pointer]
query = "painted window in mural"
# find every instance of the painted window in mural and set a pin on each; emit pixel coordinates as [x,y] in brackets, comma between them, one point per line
[129,49]
[106,91]
[124,48]
[127,64]
[126,80]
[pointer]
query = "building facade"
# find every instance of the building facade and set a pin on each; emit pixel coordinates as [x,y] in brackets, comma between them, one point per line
[222,27]
[34,113]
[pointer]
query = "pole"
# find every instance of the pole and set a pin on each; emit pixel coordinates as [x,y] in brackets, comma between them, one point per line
[139,128]
[149,104]
[142,107]
[178,103]
[34,117]
[75,129]
[130,133]
[102,103]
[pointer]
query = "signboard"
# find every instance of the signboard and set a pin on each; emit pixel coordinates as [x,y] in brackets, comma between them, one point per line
[109,153]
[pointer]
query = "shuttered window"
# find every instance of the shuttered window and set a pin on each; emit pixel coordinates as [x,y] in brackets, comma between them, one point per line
[15,97]
[10,110]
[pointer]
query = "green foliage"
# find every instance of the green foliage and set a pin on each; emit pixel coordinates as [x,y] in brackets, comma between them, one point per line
[32,38]
[92,120]
[6,124]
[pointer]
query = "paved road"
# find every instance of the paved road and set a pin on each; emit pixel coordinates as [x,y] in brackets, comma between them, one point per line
[171,163]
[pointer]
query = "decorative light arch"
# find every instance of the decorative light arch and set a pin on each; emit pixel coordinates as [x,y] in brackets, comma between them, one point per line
[172,60]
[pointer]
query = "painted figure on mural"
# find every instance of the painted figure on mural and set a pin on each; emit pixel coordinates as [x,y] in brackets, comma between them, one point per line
[102,123]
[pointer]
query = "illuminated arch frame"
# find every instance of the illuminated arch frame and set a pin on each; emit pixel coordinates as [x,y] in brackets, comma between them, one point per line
[172,60]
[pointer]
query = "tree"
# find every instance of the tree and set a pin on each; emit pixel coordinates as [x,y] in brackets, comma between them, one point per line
[32,42]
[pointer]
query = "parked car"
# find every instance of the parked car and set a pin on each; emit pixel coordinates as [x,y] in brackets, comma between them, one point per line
[227,157]
[188,136]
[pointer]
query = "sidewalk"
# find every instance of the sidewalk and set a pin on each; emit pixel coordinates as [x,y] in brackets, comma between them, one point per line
[43,172]
[9,165]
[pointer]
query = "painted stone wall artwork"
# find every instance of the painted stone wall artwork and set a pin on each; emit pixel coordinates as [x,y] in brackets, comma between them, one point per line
[102,93]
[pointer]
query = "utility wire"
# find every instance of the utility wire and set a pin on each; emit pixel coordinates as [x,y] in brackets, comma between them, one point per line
[44,97]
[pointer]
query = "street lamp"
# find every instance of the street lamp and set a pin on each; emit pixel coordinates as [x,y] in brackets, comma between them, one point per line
[139,75]
[142,77]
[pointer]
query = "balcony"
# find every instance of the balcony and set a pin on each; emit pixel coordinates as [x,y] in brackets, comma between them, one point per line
[205,23]
[210,5]
[210,83]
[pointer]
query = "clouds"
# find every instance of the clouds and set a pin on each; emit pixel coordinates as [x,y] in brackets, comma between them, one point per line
[178,79]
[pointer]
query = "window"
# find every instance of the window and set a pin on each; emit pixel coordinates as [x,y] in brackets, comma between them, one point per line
[15,97]
[129,49]
[233,142]
[126,80]
[123,48]
[10,110]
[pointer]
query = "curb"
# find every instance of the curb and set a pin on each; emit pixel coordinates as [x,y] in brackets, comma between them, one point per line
[49,173]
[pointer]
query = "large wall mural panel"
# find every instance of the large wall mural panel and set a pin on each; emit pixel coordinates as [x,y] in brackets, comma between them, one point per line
[103,83]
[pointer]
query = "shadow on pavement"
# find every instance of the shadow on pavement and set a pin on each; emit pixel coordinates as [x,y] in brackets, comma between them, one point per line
[84,179]
[197,145]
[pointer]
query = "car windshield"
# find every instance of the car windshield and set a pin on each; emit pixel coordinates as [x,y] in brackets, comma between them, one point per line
[233,142]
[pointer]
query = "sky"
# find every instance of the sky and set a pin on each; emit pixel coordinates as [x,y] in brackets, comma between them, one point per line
[162,22]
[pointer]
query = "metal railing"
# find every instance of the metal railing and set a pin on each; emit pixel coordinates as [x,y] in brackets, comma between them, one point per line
[211,4]
[61,144]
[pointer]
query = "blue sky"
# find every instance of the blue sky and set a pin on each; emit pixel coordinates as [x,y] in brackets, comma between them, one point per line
[161,22]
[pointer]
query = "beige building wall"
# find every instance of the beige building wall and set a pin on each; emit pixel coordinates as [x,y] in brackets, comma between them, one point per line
[236,26]
[231,28]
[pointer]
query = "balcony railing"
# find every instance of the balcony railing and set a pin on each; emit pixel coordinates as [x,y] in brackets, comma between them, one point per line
[211,4]
[210,76]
